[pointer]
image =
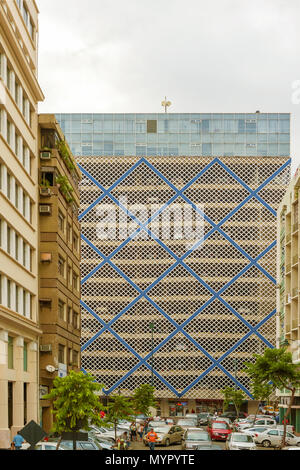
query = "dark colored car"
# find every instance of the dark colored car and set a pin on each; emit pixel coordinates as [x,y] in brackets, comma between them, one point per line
[233,415]
[219,430]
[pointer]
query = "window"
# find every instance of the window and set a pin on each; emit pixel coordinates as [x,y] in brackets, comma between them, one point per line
[75,242]
[61,309]
[151,126]
[61,266]
[69,277]
[75,358]
[75,320]
[61,222]
[69,232]
[61,354]
[25,357]
[69,314]
[10,352]
[8,293]
[75,281]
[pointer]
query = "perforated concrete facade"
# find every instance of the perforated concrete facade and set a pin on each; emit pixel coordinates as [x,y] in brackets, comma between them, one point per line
[212,301]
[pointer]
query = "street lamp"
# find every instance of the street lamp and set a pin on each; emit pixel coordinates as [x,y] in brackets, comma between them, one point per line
[151,326]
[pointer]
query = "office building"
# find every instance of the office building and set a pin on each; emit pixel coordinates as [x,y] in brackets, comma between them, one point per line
[178,267]
[59,260]
[288,269]
[19,325]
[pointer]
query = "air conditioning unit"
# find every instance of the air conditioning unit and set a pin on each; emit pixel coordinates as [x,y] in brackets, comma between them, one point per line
[45,192]
[45,209]
[46,348]
[45,155]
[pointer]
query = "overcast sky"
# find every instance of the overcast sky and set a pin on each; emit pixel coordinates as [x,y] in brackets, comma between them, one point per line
[206,56]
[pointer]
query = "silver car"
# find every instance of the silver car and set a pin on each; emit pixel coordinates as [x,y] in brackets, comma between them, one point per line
[194,437]
[187,423]
[273,438]
[240,441]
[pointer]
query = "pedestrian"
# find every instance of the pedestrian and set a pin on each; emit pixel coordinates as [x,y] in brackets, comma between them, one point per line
[151,438]
[146,427]
[133,436]
[277,419]
[12,446]
[18,441]
[126,439]
[141,431]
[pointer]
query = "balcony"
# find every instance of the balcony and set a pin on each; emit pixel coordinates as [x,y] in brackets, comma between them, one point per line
[295,228]
[288,237]
[295,259]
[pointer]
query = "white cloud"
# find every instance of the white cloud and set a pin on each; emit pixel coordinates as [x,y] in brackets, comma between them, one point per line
[213,56]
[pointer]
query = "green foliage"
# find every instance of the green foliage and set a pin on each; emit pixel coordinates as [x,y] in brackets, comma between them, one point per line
[261,391]
[74,402]
[233,396]
[143,399]
[65,188]
[65,154]
[275,366]
[118,408]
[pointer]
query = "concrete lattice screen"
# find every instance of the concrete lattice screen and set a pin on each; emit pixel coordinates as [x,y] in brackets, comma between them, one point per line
[213,306]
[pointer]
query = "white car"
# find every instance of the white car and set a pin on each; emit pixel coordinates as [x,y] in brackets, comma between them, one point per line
[255,430]
[240,441]
[43,445]
[273,438]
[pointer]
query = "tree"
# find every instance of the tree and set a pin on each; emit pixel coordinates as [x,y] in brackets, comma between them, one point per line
[233,396]
[143,399]
[118,408]
[276,367]
[75,403]
[261,392]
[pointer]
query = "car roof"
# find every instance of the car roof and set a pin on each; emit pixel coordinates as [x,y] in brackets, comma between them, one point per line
[196,429]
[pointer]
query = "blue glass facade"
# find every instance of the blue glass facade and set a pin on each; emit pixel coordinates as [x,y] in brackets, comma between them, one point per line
[256,134]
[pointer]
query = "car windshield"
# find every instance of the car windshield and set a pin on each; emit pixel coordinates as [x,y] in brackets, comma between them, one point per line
[203,415]
[187,422]
[156,424]
[220,426]
[197,436]
[161,429]
[242,438]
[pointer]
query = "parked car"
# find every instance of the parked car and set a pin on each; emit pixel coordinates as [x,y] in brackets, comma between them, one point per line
[208,446]
[203,418]
[255,430]
[193,437]
[80,445]
[43,445]
[233,415]
[166,435]
[187,423]
[273,438]
[170,421]
[156,424]
[240,441]
[219,430]
[266,422]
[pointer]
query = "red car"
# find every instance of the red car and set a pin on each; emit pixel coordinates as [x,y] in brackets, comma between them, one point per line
[219,430]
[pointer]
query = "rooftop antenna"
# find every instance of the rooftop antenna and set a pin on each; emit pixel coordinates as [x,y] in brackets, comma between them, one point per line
[166,104]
